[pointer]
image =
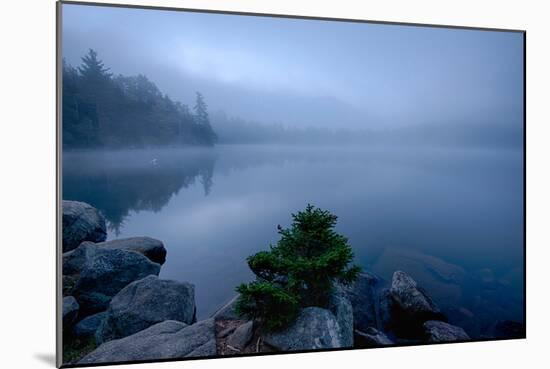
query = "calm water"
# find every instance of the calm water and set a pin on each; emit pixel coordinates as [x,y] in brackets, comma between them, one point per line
[451,218]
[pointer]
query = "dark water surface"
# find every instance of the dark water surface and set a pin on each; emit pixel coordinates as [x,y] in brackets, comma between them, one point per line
[451,218]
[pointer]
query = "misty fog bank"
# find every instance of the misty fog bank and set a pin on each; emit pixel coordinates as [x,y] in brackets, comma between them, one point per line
[469,134]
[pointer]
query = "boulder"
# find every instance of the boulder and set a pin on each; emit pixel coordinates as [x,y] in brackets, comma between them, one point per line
[342,309]
[87,327]
[385,309]
[227,311]
[70,310]
[154,250]
[437,331]
[411,306]
[144,303]
[68,282]
[209,349]
[363,297]
[105,272]
[371,338]
[74,260]
[314,328]
[81,222]
[241,335]
[167,340]
[409,297]
[151,248]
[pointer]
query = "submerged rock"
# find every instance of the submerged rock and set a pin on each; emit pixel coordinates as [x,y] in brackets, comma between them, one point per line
[444,279]
[371,338]
[509,329]
[88,326]
[105,272]
[313,329]
[166,340]
[437,331]
[144,303]
[70,311]
[81,222]
[151,248]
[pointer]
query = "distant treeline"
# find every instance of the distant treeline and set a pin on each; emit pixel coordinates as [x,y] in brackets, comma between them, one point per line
[235,130]
[475,133]
[102,110]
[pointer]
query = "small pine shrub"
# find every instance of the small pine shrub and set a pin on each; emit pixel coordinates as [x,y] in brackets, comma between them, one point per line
[297,272]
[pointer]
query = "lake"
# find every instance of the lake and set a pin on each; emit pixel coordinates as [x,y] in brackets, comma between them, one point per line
[452,218]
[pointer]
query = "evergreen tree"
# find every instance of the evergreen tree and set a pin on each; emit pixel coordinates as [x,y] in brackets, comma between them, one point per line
[202,120]
[93,69]
[299,271]
[201,111]
[100,109]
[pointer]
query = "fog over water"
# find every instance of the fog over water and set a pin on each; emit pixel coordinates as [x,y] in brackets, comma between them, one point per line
[412,136]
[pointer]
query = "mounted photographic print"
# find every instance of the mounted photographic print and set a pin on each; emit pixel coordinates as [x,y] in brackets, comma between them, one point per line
[235,184]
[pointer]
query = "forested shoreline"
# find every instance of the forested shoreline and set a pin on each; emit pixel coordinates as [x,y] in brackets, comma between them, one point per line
[102,110]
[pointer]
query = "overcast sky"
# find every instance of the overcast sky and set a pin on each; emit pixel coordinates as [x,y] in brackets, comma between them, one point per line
[309,72]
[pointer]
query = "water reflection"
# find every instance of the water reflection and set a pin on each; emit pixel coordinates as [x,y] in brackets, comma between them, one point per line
[119,182]
[451,218]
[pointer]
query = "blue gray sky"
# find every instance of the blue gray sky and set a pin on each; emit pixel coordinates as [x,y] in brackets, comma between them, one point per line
[309,72]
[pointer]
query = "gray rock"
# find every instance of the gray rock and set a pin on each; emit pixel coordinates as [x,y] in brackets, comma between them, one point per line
[342,309]
[314,328]
[93,302]
[153,249]
[363,297]
[227,311]
[74,260]
[88,326]
[437,331]
[227,331]
[166,340]
[371,338]
[412,300]
[242,335]
[81,222]
[105,272]
[144,303]
[207,350]
[385,309]
[70,310]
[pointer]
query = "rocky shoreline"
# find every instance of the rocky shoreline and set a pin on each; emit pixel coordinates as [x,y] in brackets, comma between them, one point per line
[117,309]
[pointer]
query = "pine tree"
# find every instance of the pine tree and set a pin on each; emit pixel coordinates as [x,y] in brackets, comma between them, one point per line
[299,271]
[93,69]
[204,129]
[201,111]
